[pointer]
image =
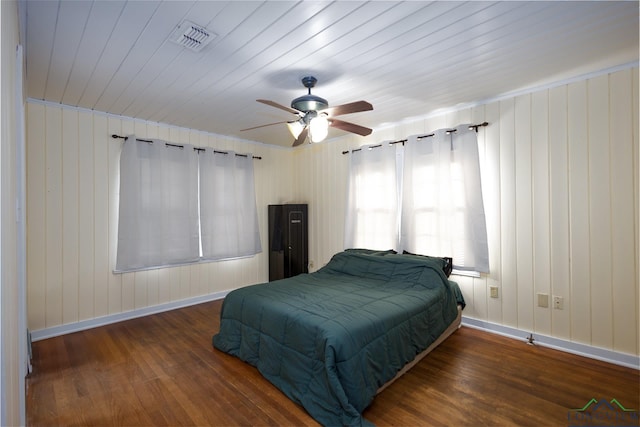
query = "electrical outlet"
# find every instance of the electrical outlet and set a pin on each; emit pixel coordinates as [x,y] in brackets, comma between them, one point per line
[310,264]
[558,303]
[493,291]
[543,300]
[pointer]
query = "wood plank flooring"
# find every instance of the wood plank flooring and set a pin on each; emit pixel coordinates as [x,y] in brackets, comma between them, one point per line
[162,370]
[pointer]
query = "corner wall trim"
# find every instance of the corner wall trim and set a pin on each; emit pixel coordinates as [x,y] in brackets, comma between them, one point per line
[82,325]
[610,356]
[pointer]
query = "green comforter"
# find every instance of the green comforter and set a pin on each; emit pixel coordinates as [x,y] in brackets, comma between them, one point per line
[330,339]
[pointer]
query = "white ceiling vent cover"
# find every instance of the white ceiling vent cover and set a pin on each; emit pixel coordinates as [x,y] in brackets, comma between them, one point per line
[193,37]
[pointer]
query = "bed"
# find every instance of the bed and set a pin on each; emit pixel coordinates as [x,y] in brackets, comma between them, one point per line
[331,340]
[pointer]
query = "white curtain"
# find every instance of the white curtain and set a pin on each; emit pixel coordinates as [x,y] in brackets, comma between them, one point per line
[372,200]
[158,220]
[228,212]
[442,206]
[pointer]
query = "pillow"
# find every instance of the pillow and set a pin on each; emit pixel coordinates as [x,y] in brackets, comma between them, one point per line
[446,262]
[371,251]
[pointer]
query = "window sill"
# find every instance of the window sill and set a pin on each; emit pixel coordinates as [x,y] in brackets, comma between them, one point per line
[455,272]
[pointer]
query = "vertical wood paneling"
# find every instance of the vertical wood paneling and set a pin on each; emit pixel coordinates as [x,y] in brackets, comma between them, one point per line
[523,212]
[559,203]
[438,122]
[36,217]
[600,212]
[540,210]
[326,185]
[101,215]
[13,340]
[323,183]
[53,219]
[340,200]
[508,263]
[140,293]
[315,211]
[623,254]
[152,279]
[185,283]
[315,214]
[579,211]
[463,116]
[86,218]
[70,220]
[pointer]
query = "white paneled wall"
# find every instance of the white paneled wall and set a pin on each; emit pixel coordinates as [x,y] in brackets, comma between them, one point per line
[560,185]
[13,357]
[72,217]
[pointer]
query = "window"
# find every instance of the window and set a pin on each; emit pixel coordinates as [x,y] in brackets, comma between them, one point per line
[228,206]
[372,217]
[441,210]
[165,191]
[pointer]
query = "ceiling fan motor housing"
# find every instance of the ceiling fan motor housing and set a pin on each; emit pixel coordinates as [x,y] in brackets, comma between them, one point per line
[309,102]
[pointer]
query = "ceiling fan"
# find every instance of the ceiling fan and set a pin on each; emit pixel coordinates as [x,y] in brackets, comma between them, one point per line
[315,115]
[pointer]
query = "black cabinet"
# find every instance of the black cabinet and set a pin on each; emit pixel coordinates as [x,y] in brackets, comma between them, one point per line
[288,241]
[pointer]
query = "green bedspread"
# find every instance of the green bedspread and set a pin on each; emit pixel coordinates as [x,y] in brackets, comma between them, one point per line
[330,339]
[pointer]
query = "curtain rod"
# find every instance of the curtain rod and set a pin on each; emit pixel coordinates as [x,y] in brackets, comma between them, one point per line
[168,144]
[402,141]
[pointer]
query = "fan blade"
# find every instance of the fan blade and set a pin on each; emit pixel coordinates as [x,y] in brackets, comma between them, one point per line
[350,127]
[275,104]
[261,126]
[352,107]
[302,137]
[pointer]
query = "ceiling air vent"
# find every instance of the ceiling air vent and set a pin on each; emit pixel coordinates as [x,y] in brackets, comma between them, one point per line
[193,37]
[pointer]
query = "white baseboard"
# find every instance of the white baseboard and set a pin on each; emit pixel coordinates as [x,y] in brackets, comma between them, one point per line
[585,350]
[82,325]
[609,356]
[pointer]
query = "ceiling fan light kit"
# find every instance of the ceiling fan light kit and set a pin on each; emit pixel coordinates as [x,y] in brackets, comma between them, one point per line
[314,115]
[319,128]
[296,128]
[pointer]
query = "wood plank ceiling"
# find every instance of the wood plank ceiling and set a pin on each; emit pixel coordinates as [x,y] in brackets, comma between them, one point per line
[408,59]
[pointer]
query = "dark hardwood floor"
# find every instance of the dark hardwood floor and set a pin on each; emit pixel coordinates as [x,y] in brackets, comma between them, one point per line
[162,370]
